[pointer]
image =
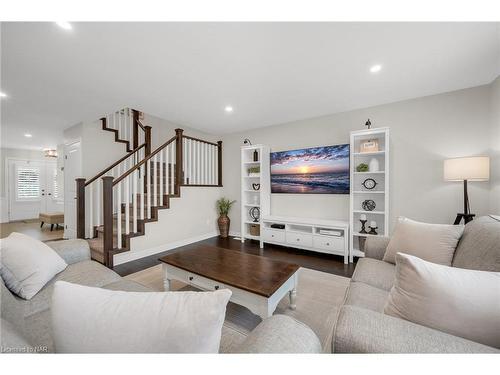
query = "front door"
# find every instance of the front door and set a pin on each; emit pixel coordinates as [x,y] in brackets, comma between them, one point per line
[32,188]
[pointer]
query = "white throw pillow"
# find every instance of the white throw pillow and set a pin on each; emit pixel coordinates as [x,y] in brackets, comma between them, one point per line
[458,301]
[27,264]
[94,320]
[432,242]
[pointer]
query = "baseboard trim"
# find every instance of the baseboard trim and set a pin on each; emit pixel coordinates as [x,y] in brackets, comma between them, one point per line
[234,234]
[134,255]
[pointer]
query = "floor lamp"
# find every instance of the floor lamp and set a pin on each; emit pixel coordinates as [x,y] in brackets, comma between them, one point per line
[474,168]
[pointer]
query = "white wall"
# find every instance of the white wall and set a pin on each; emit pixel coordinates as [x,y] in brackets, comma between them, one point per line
[495,148]
[190,218]
[424,132]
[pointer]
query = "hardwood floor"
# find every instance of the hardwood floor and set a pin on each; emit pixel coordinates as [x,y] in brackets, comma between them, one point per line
[316,261]
[32,228]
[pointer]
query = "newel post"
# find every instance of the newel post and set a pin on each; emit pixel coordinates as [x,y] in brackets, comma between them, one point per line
[147,140]
[178,160]
[135,115]
[107,199]
[219,162]
[80,208]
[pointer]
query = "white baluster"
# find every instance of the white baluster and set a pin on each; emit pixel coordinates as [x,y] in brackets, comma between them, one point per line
[148,187]
[207,164]
[161,177]
[127,204]
[190,161]
[195,166]
[184,158]
[202,162]
[134,200]
[91,211]
[172,162]
[167,171]
[155,180]
[141,189]
[198,163]
[119,215]
[210,164]
[216,164]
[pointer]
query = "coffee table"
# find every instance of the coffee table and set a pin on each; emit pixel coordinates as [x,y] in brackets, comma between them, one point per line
[256,282]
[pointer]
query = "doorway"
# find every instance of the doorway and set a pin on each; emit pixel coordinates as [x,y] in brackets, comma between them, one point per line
[33,188]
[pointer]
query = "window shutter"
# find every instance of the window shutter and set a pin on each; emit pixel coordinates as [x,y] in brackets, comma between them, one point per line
[28,183]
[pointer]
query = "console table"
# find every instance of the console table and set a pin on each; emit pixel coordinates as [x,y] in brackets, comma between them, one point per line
[324,236]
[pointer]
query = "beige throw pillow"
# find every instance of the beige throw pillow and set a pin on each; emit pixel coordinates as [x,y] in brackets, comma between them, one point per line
[432,242]
[94,320]
[458,301]
[27,264]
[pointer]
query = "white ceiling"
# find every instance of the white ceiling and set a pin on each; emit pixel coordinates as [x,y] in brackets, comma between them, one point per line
[188,72]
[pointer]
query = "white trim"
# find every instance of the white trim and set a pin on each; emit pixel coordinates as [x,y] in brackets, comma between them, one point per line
[134,255]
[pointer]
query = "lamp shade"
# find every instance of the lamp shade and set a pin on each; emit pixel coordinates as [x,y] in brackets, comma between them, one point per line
[474,168]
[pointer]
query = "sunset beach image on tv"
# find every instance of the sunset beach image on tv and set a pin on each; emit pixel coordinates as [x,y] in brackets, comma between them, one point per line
[318,170]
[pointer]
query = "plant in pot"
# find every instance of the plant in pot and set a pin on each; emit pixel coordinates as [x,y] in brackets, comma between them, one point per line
[223,206]
[254,171]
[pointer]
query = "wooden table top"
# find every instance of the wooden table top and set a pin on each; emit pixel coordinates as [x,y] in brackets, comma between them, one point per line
[256,274]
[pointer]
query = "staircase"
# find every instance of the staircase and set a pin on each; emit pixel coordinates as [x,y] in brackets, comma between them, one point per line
[117,204]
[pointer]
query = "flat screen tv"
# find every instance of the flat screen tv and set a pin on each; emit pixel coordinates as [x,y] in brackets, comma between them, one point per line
[317,170]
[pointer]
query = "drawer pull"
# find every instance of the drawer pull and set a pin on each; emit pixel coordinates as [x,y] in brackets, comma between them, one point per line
[216,287]
[190,278]
[328,244]
[298,239]
[272,235]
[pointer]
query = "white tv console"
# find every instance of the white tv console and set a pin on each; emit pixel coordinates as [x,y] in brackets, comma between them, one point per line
[305,234]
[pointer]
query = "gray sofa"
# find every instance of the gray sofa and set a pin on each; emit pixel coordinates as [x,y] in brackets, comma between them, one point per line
[25,325]
[362,326]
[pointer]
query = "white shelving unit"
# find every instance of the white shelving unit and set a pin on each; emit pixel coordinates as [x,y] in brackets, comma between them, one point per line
[379,194]
[250,197]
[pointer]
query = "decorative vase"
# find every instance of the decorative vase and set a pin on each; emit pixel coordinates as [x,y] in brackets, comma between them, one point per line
[255,156]
[223,221]
[373,166]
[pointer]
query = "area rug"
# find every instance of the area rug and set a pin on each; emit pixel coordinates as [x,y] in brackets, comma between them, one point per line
[319,297]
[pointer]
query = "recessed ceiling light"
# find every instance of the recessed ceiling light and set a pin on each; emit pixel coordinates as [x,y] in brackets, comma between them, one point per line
[3,95]
[28,135]
[64,25]
[228,109]
[376,68]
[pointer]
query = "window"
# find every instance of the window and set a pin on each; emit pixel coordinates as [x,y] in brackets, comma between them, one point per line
[55,185]
[28,183]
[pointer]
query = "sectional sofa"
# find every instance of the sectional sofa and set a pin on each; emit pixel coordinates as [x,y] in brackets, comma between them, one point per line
[25,324]
[362,327]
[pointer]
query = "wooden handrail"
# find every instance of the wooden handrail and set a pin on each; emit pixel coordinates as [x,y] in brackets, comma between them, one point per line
[114,164]
[200,140]
[138,165]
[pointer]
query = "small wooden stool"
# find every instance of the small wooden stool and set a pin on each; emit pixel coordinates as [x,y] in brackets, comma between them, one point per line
[51,218]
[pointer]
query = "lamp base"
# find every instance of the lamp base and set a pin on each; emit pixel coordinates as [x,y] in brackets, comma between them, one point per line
[466,217]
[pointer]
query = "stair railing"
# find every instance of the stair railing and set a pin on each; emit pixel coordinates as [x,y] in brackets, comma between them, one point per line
[133,199]
[128,129]
[126,125]
[89,197]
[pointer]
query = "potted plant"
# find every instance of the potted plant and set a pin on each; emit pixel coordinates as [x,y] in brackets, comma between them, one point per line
[223,206]
[253,171]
